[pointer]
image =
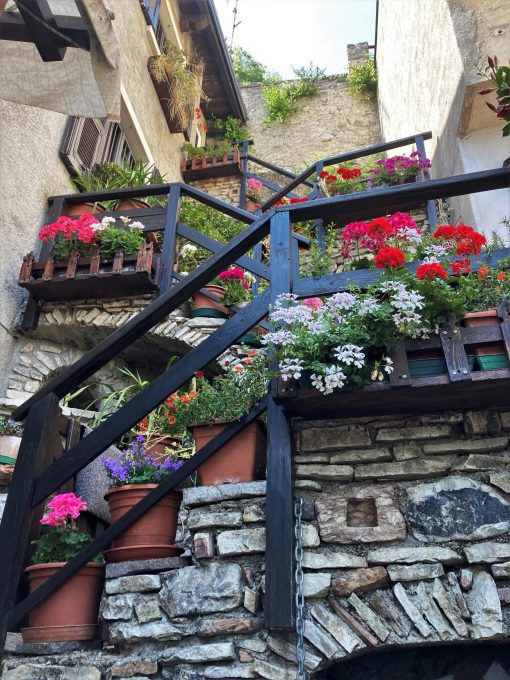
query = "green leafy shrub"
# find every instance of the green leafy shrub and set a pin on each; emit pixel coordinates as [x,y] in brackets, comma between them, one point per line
[362,79]
[281,97]
[113,239]
[247,68]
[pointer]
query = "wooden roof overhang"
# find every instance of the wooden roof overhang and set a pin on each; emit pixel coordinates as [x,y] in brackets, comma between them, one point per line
[199,18]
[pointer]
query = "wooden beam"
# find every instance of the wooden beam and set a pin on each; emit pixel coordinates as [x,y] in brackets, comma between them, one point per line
[279,602]
[12,27]
[38,16]
[20,519]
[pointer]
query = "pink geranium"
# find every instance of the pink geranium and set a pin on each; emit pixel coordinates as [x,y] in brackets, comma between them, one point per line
[63,508]
[313,302]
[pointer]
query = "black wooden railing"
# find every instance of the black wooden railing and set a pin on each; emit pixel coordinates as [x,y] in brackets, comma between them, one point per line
[37,474]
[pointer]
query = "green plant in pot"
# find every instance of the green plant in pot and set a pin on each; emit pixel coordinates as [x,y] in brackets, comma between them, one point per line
[210,405]
[111,176]
[10,440]
[133,476]
[70,612]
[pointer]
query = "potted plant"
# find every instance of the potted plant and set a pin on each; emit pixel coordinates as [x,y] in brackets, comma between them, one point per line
[110,176]
[69,613]
[209,406]
[253,194]
[342,340]
[10,440]
[399,169]
[178,84]
[133,476]
[85,253]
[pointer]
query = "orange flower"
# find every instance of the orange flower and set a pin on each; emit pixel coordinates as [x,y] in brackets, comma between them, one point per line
[247,361]
[172,420]
[252,353]
[192,394]
[501,276]
[143,425]
[482,273]
[169,401]
[185,399]
[239,368]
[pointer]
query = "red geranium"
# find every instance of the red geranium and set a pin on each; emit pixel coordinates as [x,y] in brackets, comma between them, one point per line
[461,267]
[390,258]
[431,270]
[233,273]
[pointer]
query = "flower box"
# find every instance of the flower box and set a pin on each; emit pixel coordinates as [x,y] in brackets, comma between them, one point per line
[91,277]
[211,166]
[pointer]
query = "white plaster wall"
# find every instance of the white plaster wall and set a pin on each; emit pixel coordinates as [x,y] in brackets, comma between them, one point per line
[484,150]
[30,172]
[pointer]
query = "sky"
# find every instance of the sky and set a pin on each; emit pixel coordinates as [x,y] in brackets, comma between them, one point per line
[286,33]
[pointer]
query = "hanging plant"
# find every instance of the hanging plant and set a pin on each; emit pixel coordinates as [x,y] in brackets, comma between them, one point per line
[185,80]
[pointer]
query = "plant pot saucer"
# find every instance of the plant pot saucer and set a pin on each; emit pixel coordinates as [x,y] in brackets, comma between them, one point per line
[86,631]
[130,553]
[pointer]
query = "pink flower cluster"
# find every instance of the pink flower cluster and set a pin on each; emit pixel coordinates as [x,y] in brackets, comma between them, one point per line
[63,508]
[313,302]
[66,228]
[402,162]
[234,275]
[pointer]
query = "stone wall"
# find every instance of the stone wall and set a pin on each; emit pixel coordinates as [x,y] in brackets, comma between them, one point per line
[225,188]
[406,542]
[333,122]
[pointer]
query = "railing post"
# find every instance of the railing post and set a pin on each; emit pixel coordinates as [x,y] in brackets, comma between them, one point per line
[279,607]
[245,148]
[19,521]
[170,238]
[431,205]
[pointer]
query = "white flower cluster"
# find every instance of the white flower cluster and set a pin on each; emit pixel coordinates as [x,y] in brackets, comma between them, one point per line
[188,249]
[350,355]
[332,379]
[110,222]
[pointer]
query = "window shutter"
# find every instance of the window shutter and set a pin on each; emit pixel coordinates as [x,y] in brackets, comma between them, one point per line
[82,143]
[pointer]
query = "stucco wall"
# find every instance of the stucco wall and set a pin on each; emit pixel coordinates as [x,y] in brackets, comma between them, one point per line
[332,122]
[30,172]
[423,74]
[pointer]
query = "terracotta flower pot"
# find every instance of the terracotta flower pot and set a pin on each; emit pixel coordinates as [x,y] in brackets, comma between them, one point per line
[78,209]
[70,613]
[251,205]
[153,535]
[204,305]
[159,449]
[132,204]
[9,445]
[243,459]
[487,318]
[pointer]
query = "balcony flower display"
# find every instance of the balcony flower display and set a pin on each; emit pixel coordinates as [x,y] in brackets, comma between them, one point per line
[345,339]
[348,178]
[133,476]
[70,612]
[86,232]
[237,285]
[208,406]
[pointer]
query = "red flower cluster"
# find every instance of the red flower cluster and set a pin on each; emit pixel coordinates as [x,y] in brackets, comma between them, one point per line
[468,241]
[390,258]
[198,113]
[378,231]
[67,228]
[290,201]
[348,173]
[431,270]
[461,267]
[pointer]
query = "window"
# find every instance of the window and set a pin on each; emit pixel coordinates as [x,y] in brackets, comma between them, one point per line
[88,141]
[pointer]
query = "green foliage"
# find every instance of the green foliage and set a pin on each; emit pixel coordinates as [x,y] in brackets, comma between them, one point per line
[210,222]
[10,427]
[227,397]
[247,68]
[281,97]
[318,261]
[109,176]
[61,544]
[362,79]
[235,130]
[500,77]
[113,239]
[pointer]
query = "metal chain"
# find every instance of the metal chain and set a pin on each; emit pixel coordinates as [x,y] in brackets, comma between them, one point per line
[300,599]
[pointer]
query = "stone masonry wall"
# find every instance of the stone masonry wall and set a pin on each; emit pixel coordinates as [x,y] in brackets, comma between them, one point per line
[406,542]
[333,122]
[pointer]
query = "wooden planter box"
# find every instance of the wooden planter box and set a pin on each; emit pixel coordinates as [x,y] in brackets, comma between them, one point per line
[90,277]
[211,166]
[164,91]
[457,387]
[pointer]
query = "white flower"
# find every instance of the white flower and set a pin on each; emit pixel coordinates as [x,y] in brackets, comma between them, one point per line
[126,220]
[137,225]
[350,354]
[188,249]
[317,382]
[334,378]
[184,273]
[107,221]
[389,365]
[249,278]
[290,368]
